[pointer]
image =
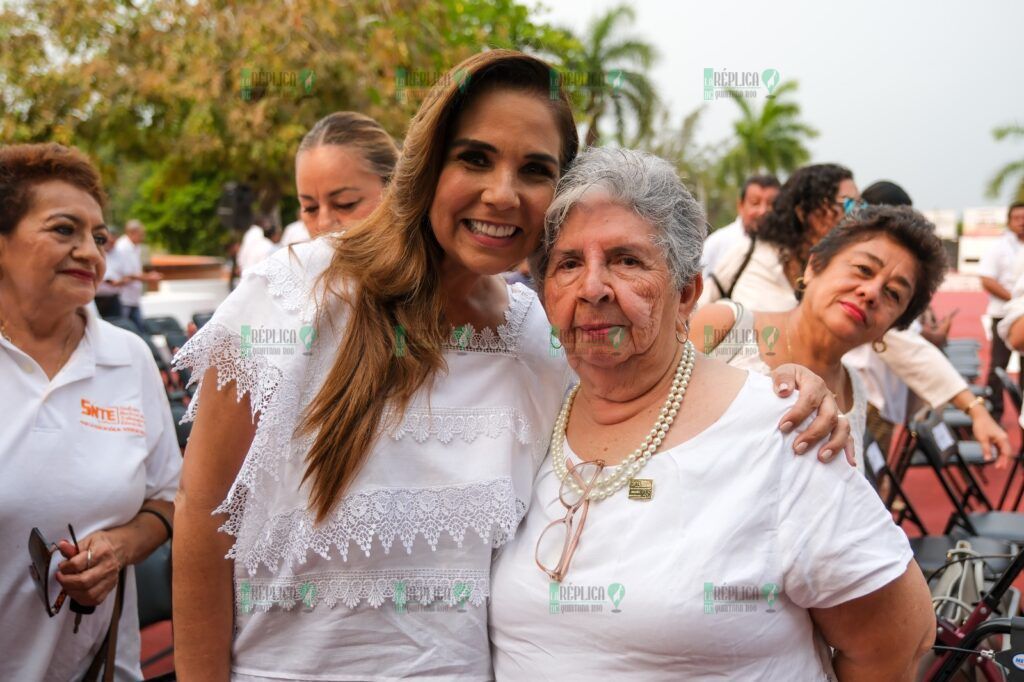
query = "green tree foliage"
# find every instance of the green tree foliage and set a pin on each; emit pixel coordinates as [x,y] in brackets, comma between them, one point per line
[697,164]
[770,139]
[1010,170]
[199,93]
[623,63]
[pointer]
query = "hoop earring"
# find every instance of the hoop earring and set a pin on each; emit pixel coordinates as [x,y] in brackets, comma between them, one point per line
[686,332]
[801,284]
[874,346]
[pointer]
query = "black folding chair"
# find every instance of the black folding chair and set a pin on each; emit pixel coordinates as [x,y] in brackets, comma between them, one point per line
[201,318]
[940,449]
[162,325]
[930,551]
[169,328]
[1013,390]
[880,475]
[965,455]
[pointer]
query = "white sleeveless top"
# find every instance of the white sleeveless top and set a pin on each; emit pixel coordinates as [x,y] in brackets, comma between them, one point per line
[394,583]
[740,349]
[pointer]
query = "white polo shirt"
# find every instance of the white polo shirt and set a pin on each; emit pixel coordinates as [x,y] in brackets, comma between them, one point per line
[85,448]
[129,260]
[1003,262]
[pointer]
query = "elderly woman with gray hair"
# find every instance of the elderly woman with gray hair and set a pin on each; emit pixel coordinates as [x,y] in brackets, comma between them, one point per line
[699,547]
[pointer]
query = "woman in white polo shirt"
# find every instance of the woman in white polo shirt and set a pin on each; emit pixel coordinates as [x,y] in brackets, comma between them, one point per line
[88,440]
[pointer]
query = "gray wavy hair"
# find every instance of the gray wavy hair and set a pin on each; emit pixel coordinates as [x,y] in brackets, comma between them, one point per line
[643,183]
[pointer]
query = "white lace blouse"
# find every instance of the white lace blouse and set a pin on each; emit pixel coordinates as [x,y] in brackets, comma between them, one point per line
[394,583]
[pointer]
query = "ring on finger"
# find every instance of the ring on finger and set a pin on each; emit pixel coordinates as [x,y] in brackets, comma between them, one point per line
[88,558]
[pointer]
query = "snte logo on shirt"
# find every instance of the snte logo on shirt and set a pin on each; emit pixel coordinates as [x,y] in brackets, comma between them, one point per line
[116,419]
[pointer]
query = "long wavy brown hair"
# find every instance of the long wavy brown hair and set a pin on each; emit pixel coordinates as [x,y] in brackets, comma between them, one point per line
[387,271]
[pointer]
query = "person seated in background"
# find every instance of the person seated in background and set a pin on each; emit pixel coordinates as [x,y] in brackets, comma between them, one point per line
[811,202]
[756,197]
[742,562]
[875,271]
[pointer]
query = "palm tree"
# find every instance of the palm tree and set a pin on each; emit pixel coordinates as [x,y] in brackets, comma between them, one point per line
[696,163]
[1011,169]
[767,140]
[622,64]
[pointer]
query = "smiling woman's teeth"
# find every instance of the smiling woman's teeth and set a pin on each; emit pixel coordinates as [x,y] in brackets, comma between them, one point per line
[490,229]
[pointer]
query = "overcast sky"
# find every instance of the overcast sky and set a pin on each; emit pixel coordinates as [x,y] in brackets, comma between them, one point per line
[905,90]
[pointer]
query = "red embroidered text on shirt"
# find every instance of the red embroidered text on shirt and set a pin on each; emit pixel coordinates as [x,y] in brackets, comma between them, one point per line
[115,419]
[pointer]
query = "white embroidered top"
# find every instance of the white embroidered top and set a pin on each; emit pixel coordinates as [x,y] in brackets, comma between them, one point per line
[394,583]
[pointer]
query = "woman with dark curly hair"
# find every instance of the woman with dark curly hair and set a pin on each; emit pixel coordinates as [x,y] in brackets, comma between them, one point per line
[764,276]
[876,271]
[763,273]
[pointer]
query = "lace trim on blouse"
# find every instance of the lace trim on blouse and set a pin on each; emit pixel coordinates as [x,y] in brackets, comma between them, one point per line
[445,424]
[503,340]
[403,587]
[491,508]
[287,287]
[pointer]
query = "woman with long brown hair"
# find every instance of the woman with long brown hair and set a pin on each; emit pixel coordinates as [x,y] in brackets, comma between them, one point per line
[392,399]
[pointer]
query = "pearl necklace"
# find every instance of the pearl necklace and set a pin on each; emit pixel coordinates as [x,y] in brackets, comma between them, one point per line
[611,483]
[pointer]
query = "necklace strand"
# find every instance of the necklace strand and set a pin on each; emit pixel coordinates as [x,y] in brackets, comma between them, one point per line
[613,482]
[65,355]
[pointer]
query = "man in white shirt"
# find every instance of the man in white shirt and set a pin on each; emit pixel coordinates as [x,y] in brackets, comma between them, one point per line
[999,270]
[258,243]
[756,197]
[108,292]
[129,258]
[294,233]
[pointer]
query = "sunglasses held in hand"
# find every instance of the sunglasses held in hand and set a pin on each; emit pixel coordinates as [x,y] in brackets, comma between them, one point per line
[41,552]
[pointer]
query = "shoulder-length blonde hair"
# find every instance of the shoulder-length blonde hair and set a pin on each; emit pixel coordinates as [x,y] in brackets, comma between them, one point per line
[391,263]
